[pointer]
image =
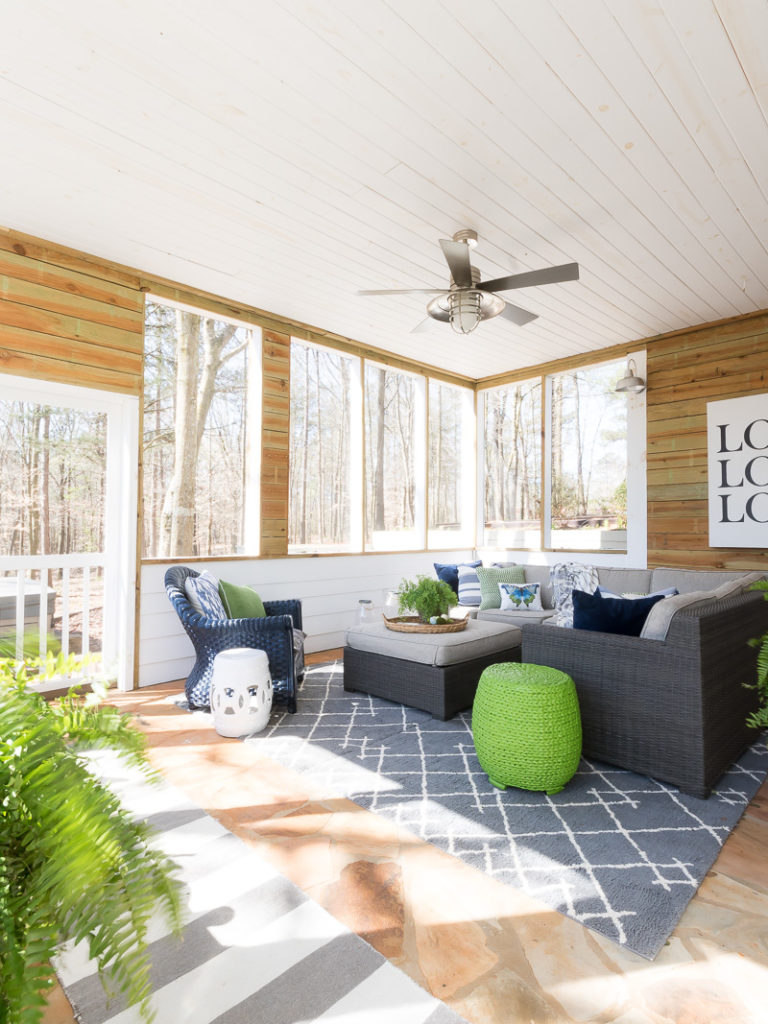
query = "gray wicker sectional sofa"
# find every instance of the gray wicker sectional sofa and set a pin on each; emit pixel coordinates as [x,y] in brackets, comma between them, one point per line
[671,702]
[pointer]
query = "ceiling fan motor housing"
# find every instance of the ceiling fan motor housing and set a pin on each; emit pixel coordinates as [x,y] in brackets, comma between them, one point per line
[464,308]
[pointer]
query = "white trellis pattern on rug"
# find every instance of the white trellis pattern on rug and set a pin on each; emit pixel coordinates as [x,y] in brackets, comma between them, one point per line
[620,853]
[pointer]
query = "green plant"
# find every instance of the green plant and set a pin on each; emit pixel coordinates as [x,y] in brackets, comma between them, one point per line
[428,597]
[30,644]
[759,718]
[73,863]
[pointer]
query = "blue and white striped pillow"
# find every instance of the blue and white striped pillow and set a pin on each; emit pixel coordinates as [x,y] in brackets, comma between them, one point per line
[469,585]
[203,594]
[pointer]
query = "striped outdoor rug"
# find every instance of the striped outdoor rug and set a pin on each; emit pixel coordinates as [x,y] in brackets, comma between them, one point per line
[255,948]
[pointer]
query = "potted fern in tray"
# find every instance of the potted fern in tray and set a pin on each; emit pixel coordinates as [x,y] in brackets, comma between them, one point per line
[73,864]
[431,600]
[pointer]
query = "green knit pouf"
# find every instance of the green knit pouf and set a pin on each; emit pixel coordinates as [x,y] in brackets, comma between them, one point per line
[527,727]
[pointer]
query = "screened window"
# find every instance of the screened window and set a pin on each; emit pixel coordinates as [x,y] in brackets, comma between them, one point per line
[451,466]
[53,463]
[52,479]
[201,433]
[588,461]
[324,403]
[513,500]
[394,459]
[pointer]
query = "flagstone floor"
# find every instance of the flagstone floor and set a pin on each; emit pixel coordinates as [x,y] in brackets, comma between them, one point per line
[490,952]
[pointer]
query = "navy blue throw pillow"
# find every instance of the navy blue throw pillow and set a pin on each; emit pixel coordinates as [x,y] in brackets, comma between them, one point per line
[612,614]
[449,573]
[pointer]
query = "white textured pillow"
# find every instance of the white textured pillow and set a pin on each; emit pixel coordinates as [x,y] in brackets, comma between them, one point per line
[520,597]
[566,577]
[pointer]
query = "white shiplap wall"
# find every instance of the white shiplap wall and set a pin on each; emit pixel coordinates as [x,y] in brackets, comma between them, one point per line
[329,589]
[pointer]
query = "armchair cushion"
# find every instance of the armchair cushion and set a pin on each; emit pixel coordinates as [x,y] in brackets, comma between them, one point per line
[203,594]
[241,602]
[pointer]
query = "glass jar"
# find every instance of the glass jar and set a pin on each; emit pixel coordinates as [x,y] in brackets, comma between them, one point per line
[365,611]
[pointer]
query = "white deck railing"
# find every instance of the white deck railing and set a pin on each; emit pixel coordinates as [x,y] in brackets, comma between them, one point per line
[20,566]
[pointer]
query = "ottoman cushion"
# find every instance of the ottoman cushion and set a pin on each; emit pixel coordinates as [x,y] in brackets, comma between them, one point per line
[439,649]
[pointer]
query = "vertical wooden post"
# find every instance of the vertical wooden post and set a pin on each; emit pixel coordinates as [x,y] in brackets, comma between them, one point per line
[275,443]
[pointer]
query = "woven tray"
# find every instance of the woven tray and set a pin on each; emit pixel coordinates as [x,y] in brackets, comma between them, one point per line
[412,624]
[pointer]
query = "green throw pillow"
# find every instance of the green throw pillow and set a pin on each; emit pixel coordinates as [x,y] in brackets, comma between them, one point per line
[489,584]
[241,602]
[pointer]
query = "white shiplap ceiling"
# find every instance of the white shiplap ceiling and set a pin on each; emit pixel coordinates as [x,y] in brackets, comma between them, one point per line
[286,154]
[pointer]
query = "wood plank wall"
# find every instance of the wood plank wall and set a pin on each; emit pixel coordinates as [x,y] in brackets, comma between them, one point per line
[685,371]
[72,318]
[275,442]
[69,318]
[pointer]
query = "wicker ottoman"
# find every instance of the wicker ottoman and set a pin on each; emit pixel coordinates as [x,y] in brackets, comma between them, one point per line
[527,727]
[437,672]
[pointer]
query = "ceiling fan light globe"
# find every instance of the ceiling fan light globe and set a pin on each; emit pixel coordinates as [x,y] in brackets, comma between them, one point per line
[465,312]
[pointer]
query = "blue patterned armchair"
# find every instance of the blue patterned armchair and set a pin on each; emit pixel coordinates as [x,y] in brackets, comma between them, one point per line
[273,634]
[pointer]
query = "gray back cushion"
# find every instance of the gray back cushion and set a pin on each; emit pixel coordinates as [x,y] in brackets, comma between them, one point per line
[540,574]
[689,580]
[625,581]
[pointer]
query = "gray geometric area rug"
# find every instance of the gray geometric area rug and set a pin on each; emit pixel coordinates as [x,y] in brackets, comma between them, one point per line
[619,852]
[255,949]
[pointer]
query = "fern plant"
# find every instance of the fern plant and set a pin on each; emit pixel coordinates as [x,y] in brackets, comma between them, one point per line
[73,863]
[759,718]
[428,597]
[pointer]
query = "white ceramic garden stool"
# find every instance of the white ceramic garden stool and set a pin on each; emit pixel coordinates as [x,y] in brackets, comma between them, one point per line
[241,691]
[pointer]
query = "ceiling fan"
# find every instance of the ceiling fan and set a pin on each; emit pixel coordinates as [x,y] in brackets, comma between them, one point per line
[470,300]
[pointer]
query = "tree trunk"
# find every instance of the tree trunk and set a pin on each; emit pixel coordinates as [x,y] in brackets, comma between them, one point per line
[557,447]
[178,507]
[320,442]
[378,473]
[581,500]
[304,447]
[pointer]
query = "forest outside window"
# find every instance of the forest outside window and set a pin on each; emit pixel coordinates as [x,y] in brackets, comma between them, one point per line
[588,459]
[512,449]
[325,496]
[202,424]
[571,493]
[395,464]
[451,494]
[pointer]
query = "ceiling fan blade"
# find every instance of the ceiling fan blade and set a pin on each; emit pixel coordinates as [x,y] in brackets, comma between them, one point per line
[423,325]
[402,291]
[518,315]
[457,257]
[550,275]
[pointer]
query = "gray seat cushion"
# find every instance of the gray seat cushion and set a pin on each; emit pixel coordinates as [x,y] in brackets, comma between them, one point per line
[514,618]
[476,641]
